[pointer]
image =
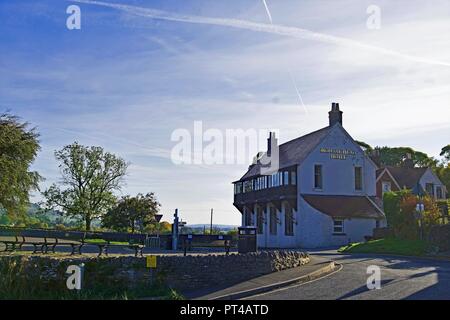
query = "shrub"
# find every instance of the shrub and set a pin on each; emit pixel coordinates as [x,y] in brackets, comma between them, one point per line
[401,215]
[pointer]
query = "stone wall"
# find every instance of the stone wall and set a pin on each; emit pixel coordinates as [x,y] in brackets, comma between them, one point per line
[440,237]
[182,273]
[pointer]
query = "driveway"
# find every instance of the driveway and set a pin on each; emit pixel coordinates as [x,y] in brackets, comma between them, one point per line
[401,278]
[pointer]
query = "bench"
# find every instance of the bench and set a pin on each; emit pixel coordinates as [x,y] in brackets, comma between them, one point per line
[41,241]
[187,240]
[108,240]
[10,240]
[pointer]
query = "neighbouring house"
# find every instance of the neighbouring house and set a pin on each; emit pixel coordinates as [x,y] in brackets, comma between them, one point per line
[419,180]
[322,192]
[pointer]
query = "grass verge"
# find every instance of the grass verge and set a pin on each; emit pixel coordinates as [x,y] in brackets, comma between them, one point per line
[389,246]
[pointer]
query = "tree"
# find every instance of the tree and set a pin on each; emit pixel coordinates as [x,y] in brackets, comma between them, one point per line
[89,177]
[132,213]
[398,156]
[158,228]
[400,208]
[445,152]
[443,172]
[19,146]
[366,147]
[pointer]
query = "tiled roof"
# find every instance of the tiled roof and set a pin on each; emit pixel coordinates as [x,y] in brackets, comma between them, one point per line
[346,206]
[293,152]
[406,177]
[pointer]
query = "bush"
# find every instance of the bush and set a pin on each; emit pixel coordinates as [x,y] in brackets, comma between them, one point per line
[401,215]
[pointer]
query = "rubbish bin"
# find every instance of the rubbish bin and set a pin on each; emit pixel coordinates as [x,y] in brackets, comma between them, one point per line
[246,239]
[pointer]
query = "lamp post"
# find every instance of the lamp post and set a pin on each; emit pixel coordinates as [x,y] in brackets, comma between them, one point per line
[420,208]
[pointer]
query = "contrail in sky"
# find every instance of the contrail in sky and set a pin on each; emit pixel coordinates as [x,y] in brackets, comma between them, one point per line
[268,12]
[290,73]
[261,27]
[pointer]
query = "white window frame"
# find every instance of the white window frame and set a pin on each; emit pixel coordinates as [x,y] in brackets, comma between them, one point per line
[385,183]
[342,226]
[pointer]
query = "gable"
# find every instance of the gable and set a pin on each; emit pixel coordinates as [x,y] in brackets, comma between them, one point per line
[406,177]
[339,145]
[430,177]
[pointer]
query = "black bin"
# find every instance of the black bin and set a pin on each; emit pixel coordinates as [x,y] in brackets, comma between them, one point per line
[246,239]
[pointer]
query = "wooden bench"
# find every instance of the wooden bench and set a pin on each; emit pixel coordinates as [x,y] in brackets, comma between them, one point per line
[103,247]
[40,241]
[187,240]
[10,240]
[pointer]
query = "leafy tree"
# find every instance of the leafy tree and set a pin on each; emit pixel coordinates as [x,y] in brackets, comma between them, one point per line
[366,147]
[132,213]
[400,209]
[398,156]
[445,152]
[89,177]
[19,146]
[162,227]
[443,172]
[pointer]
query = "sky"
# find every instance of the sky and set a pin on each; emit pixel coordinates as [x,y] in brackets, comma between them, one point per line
[137,71]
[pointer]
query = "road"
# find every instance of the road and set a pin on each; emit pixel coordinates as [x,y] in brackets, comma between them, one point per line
[401,278]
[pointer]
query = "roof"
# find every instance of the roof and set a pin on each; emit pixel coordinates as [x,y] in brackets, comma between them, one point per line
[293,152]
[346,206]
[406,177]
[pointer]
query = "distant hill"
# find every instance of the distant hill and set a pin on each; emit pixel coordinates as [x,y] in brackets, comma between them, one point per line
[221,227]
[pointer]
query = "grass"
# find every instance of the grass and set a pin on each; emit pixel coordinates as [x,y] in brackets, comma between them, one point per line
[28,292]
[101,241]
[388,245]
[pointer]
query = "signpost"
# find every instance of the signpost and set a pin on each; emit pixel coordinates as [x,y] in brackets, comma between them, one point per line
[151,264]
[175,231]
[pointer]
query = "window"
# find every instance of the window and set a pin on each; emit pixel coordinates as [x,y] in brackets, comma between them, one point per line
[429,187]
[439,193]
[293,178]
[338,226]
[318,176]
[286,178]
[276,179]
[386,186]
[273,221]
[288,221]
[247,217]
[259,220]
[248,185]
[358,178]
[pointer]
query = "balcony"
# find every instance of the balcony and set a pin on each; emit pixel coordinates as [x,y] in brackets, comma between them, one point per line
[274,195]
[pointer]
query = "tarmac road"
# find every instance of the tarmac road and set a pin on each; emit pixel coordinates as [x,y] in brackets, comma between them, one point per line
[401,278]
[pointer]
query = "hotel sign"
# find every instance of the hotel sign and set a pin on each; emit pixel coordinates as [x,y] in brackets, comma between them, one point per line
[338,154]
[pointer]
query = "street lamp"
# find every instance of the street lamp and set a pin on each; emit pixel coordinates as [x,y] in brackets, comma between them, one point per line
[420,208]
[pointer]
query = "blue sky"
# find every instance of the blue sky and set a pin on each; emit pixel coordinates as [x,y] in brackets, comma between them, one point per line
[127,80]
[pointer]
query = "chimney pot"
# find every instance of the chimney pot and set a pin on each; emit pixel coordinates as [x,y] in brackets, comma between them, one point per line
[335,115]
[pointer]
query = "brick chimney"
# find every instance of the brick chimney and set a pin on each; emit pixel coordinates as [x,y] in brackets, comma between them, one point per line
[335,115]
